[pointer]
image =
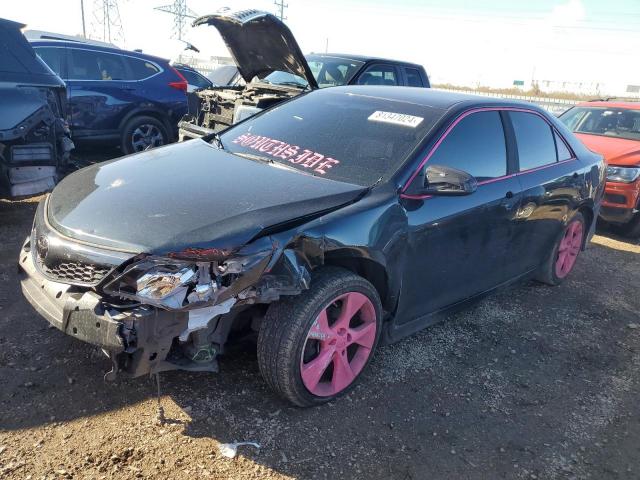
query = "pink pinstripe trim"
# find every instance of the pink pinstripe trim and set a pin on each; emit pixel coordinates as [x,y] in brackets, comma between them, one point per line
[493,180]
[452,126]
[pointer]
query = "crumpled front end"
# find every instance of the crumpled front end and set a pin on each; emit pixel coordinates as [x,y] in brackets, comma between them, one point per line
[36,143]
[152,314]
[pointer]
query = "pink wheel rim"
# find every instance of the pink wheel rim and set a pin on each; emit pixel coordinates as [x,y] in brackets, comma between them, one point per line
[338,344]
[569,249]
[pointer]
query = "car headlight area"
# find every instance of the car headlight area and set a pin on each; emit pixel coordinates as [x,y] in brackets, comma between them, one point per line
[623,174]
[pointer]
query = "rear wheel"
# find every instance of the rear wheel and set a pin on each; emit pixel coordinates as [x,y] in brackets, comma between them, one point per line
[313,347]
[142,133]
[565,252]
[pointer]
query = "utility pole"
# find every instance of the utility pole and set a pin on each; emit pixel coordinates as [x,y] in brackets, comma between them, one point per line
[181,12]
[280,6]
[84,30]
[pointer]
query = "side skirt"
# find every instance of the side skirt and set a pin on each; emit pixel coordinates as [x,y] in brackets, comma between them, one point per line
[394,332]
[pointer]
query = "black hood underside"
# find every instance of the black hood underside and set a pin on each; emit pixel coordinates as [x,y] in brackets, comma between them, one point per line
[260,43]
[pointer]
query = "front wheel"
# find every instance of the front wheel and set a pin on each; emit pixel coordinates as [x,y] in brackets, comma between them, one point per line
[313,347]
[565,252]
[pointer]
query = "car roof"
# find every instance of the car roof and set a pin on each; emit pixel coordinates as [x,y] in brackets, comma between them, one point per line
[361,58]
[610,104]
[428,97]
[99,48]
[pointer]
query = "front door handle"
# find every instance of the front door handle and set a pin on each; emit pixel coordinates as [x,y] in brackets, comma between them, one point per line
[509,202]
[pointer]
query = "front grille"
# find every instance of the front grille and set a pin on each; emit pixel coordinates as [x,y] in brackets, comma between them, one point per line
[75,272]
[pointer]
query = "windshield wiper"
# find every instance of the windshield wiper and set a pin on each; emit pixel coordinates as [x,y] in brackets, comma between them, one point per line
[293,84]
[215,138]
[251,156]
[270,161]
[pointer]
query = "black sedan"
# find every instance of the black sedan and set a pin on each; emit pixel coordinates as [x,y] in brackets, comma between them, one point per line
[332,223]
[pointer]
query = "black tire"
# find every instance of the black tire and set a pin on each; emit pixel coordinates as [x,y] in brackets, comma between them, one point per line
[141,133]
[630,229]
[547,273]
[284,330]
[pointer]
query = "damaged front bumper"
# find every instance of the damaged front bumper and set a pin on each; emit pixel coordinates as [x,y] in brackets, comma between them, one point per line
[144,339]
[138,340]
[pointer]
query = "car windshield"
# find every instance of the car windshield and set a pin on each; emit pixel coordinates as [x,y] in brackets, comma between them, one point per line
[328,72]
[338,135]
[285,78]
[333,71]
[610,122]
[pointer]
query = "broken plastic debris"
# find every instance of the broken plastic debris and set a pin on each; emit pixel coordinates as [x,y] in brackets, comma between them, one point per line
[230,450]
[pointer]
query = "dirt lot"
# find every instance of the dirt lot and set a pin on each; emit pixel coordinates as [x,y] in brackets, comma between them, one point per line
[535,382]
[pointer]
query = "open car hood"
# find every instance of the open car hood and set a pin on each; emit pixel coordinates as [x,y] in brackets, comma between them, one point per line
[259,43]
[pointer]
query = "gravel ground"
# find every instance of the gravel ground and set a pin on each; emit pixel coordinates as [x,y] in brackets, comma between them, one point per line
[534,382]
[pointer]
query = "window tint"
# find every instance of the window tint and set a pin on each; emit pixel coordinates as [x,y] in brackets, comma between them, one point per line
[379,75]
[563,151]
[334,135]
[476,145]
[413,77]
[140,69]
[53,57]
[94,65]
[534,137]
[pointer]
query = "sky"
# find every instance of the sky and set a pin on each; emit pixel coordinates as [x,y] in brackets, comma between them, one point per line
[464,42]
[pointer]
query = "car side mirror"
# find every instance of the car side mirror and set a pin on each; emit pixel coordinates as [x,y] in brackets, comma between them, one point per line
[442,180]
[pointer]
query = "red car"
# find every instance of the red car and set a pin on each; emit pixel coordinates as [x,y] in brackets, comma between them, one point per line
[613,130]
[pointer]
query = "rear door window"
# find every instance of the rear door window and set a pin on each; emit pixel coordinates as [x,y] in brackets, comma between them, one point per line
[476,146]
[379,75]
[534,137]
[140,69]
[95,65]
[414,79]
[561,147]
[53,57]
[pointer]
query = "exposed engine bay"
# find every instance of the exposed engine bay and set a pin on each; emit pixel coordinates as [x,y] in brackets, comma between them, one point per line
[215,109]
[260,44]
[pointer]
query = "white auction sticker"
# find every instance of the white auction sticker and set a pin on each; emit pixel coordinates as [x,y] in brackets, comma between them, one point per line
[396,118]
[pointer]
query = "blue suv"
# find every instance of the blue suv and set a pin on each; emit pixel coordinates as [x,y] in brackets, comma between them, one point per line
[119,97]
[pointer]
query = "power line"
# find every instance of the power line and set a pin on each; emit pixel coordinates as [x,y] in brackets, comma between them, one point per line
[180,13]
[107,24]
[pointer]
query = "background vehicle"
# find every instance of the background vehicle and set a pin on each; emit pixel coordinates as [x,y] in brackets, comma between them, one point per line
[613,130]
[225,75]
[327,237]
[273,69]
[119,97]
[333,69]
[34,138]
[195,80]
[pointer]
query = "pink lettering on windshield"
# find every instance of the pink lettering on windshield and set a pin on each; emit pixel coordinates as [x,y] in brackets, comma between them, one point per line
[305,158]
